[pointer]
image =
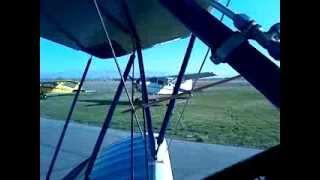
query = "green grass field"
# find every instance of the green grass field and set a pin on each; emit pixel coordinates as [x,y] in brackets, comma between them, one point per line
[233,114]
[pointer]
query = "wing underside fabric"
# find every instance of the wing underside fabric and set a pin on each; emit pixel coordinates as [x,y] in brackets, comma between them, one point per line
[76,24]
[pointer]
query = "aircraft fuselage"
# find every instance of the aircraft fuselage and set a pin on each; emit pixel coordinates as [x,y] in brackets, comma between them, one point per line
[156,88]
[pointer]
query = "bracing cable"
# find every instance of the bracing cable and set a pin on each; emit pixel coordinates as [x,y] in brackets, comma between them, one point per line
[194,84]
[116,62]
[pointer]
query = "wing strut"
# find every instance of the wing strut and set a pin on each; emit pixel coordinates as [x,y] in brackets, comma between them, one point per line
[57,149]
[175,91]
[132,128]
[142,77]
[108,118]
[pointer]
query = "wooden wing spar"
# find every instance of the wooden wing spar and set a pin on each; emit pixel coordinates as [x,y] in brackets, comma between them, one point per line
[76,24]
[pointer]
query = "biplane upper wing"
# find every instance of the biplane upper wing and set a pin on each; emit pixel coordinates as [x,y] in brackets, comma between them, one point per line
[76,24]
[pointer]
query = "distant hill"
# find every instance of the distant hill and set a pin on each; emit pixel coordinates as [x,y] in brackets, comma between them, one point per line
[107,75]
[76,75]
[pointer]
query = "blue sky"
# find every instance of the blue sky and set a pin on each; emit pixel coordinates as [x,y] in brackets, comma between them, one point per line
[57,60]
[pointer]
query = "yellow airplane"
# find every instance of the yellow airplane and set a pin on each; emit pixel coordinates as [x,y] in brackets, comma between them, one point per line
[59,87]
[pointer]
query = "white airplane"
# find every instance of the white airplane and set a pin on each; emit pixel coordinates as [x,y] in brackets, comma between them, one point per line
[164,85]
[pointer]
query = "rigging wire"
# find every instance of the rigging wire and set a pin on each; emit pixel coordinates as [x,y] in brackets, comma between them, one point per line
[146,160]
[193,85]
[135,46]
[132,128]
[188,99]
[116,62]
